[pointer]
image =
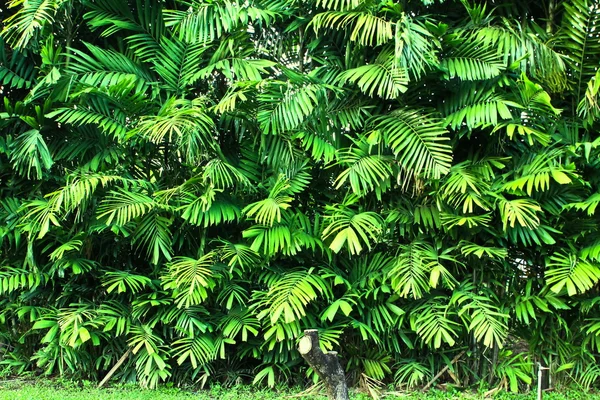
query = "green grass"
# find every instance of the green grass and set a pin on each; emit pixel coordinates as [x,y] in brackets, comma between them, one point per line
[67,390]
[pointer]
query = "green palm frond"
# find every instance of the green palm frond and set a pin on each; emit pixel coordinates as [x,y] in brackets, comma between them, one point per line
[30,155]
[417,140]
[239,321]
[270,240]
[31,17]
[579,34]
[364,172]
[239,255]
[464,187]
[382,78]
[200,211]
[319,147]
[521,211]
[415,47]
[568,270]
[298,176]
[364,28]
[469,61]
[418,268]
[70,246]
[206,21]
[468,248]
[222,174]
[16,70]
[123,206]
[147,26]
[285,107]
[431,321]
[198,350]
[526,47]
[181,121]
[235,65]
[481,315]
[537,171]
[349,113]
[123,281]
[179,65]
[189,321]
[17,279]
[476,108]
[268,211]
[190,279]
[100,112]
[104,68]
[412,373]
[589,108]
[79,189]
[352,228]
[339,5]
[289,294]
[154,235]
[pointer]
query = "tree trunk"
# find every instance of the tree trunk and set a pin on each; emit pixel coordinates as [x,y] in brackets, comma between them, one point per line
[326,365]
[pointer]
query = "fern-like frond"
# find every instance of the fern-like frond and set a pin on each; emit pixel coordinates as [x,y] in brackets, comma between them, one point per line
[190,279]
[364,28]
[289,294]
[286,107]
[31,17]
[351,228]
[431,321]
[418,268]
[382,78]
[123,206]
[476,108]
[417,140]
[469,61]
[364,172]
[568,270]
[16,70]
[30,155]
[580,41]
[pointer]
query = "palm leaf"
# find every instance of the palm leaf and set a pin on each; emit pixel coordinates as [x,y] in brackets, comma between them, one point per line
[416,139]
[568,270]
[382,78]
[471,62]
[33,15]
[189,279]
[352,229]
[365,28]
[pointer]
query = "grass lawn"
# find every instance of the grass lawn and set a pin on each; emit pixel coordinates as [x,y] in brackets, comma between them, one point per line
[65,390]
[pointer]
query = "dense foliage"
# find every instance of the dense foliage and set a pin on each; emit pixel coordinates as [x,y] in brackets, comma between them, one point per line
[198,181]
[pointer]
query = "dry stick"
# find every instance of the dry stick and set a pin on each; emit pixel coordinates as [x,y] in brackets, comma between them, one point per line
[115,368]
[455,359]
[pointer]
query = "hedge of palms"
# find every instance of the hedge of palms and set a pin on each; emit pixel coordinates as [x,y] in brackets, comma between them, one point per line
[194,183]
